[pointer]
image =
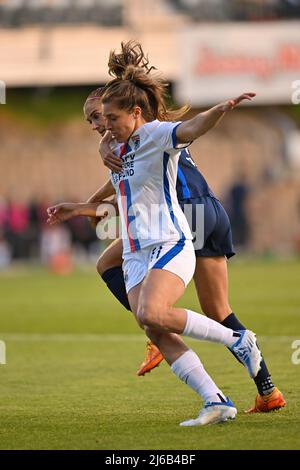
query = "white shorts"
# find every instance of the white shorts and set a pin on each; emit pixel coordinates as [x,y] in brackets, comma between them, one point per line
[177,257]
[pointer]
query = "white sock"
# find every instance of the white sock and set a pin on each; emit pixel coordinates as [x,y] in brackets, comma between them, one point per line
[190,370]
[200,327]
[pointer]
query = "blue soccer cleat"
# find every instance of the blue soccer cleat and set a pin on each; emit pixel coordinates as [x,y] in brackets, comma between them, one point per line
[212,413]
[247,351]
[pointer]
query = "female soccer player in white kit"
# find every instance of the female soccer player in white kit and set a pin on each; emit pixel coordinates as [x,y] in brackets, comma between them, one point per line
[158,254]
[214,231]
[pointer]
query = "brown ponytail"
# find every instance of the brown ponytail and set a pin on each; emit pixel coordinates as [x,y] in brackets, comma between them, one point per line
[135,85]
[131,54]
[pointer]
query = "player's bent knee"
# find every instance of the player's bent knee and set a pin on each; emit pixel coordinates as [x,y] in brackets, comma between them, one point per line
[104,263]
[152,315]
[100,266]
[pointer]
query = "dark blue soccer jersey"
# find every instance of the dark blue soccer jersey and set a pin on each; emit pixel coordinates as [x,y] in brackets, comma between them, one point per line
[190,182]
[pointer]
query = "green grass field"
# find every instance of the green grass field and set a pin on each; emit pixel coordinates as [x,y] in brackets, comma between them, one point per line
[72,353]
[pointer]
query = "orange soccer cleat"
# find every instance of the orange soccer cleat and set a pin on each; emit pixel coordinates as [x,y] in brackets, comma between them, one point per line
[152,359]
[266,403]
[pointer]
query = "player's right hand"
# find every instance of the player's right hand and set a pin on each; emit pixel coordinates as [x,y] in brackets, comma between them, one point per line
[230,104]
[109,159]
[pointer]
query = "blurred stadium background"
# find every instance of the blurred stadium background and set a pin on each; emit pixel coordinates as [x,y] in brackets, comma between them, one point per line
[53,52]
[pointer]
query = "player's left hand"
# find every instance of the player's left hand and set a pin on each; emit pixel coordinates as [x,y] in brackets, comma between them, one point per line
[230,104]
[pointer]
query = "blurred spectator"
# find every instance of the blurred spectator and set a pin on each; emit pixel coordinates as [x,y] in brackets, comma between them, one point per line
[34,229]
[24,234]
[3,213]
[17,229]
[238,10]
[56,249]
[82,232]
[5,251]
[23,12]
[238,195]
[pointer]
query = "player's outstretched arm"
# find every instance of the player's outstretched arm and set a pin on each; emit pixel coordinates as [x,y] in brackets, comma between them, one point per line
[68,210]
[203,122]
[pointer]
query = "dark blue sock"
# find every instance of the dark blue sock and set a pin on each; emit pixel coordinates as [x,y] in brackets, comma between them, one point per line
[263,380]
[233,322]
[114,279]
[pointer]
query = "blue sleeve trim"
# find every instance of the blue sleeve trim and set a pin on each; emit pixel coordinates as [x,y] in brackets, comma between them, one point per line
[174,136]
[174,139]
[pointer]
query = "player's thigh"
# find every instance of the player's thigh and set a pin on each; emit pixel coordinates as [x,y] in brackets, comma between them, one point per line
[111,256]
[160,290]
[171,267]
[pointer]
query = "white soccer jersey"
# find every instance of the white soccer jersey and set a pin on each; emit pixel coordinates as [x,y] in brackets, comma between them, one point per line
[146,188]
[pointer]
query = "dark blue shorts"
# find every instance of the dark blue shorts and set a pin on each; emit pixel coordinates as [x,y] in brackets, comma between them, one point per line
[216,234]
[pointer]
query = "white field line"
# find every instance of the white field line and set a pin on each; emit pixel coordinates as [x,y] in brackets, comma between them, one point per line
[64,337]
